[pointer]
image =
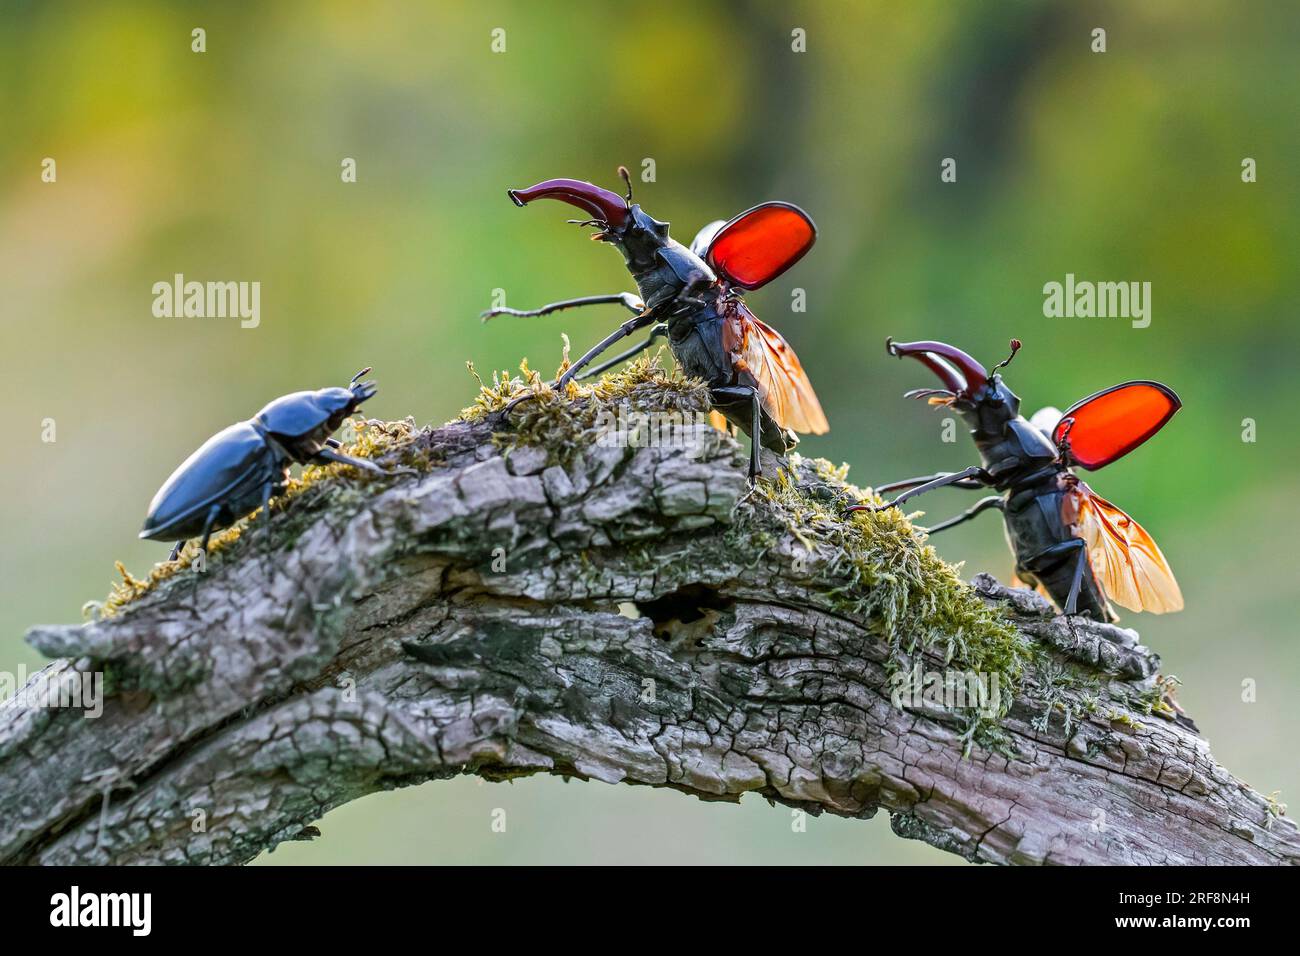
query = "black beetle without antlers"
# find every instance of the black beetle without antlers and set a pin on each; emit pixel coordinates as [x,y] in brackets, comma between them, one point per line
[243,466]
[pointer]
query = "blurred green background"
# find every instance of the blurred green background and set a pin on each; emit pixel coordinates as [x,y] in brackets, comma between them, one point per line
[225,165]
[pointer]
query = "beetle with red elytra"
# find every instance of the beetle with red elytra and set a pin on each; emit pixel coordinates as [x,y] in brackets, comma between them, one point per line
[1076,546]
[694,297]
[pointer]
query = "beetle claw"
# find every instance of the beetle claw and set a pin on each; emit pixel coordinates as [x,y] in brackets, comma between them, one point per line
[853,509]
[511,405]
[514,402]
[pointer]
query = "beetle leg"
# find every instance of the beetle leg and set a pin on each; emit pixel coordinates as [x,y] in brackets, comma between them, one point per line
[992,501]
[626,299]
[639,321]
[176,551]
[266,519]
[622,332]
[326,455]
[208,522]
[659,330]
[913,482]
[971,472]
[207,528]
[1076,582]
[1072,599]
[1062,551]
[334,443]
[749,394]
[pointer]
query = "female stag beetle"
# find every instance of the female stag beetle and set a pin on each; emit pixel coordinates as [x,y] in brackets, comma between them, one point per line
[241,467]
[1073,544]
[693,296]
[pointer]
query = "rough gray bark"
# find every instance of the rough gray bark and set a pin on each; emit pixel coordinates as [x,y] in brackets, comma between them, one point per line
[380,648]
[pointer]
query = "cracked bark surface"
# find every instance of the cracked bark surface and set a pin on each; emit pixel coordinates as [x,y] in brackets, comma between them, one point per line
[381,647]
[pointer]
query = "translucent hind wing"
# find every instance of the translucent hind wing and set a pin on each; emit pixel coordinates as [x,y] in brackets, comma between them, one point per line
[1125,559]
[783,385]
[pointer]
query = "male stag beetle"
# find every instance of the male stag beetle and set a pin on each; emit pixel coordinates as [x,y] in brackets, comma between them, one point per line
[693,296]
[1073,544]
[241,467]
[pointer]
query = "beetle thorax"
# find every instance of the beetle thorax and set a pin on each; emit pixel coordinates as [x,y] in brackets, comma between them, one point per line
[999,430]
[299,423]
[995,448]
[1017,440]
[661,266]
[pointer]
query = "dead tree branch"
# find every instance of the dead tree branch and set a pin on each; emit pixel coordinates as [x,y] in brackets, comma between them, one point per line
[625,615]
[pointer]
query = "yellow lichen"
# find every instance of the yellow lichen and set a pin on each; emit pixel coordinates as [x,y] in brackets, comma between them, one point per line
[563,424]
[1276,808]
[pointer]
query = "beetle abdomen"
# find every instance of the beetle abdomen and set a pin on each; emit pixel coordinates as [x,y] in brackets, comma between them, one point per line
[699,351]
[229,469]
[1037,534]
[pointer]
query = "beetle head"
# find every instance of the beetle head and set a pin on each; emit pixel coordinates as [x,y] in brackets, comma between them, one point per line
[342,402]
[314,415]
[981,398]
[617,219]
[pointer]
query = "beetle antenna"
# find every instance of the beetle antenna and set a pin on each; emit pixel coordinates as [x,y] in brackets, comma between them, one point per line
[364,371]
[1015,347]
[627,178]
